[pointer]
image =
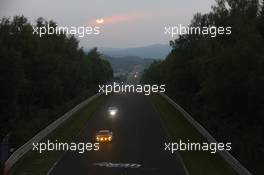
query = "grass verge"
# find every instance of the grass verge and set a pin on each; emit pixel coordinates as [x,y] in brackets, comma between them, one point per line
[196,162]
[34,163]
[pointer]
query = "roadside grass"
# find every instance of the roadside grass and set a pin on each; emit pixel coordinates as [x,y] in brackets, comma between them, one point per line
[196,162]
[34,163]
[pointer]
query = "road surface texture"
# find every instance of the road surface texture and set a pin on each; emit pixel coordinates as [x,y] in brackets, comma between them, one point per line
[137,147]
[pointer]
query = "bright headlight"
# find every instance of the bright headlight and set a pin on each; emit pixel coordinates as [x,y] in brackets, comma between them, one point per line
[112,112]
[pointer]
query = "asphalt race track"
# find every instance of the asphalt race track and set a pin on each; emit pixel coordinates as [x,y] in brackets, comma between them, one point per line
[137,147]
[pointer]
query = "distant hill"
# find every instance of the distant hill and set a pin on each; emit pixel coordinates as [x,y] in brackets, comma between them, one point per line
[156,51]
[127,63]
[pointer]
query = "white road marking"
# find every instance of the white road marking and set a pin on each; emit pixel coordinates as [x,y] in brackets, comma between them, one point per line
[117,165]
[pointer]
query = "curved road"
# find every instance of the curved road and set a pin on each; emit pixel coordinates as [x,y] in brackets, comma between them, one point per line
[139,138]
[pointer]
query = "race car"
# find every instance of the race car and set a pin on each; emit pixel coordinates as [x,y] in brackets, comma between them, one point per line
[104,136]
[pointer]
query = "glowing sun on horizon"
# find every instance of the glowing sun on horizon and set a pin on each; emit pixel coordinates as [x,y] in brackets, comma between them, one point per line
[100,21]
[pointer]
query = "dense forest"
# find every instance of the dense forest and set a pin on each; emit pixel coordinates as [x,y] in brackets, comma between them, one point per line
[42,77]
[220,80]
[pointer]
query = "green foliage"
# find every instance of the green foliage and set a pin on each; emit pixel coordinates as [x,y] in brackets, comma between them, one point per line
[220,80]
[42,77]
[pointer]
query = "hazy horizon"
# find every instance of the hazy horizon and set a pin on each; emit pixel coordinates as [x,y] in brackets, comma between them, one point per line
[127,24]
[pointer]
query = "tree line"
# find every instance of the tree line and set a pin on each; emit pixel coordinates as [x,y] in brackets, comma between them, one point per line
[42,77]
[220,80]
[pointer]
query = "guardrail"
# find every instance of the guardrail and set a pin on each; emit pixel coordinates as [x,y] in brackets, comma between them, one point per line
[20,152]
[233,162]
